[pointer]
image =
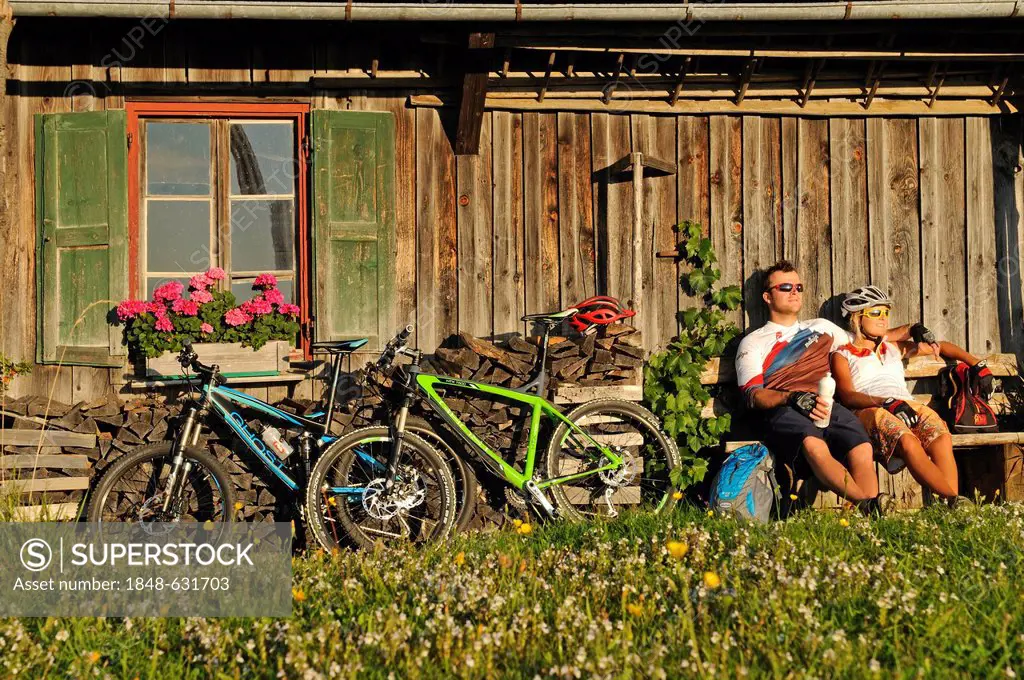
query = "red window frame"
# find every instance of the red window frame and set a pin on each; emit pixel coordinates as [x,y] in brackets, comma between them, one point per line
[293,111]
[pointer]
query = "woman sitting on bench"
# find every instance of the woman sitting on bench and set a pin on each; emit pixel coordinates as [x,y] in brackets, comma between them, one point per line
[871,383]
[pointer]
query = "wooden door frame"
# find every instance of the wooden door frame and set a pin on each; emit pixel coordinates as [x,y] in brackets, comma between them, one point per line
[298,112]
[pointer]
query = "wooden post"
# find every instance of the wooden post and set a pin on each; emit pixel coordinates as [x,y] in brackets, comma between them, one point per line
[637,159]
[6,26]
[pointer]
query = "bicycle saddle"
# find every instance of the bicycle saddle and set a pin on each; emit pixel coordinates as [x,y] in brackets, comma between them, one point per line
[338,346]
[551,318]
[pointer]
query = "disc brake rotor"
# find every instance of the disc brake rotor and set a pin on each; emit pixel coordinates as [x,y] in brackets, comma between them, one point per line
[383,504]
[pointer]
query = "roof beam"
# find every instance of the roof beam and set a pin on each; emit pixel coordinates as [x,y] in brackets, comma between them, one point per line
[474,94]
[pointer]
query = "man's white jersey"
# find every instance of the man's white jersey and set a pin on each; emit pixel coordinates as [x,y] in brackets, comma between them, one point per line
[766,351]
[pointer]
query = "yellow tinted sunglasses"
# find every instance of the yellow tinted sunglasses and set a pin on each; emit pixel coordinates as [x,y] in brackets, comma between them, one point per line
[877,313]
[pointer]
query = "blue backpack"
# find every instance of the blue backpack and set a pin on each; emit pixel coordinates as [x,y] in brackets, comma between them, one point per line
[745,486]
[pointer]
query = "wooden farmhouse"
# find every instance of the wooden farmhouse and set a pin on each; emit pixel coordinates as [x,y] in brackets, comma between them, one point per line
[457,165]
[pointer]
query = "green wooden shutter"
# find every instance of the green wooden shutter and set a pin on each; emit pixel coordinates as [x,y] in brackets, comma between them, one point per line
[82,255]
[353,225]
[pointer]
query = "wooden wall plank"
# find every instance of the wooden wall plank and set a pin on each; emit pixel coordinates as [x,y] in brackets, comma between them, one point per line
[405,210]
[893,214]
[655,136]
[1009,207]
[809,243]
[726,201]
[509,274]
[540,201]
[762,209]
[476,234]
[943,228]
[849,200]
[613,206]
[575,209]
[982,295]
[693,190]
[436,261]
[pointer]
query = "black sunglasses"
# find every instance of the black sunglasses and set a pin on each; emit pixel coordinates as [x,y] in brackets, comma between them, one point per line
[787,287]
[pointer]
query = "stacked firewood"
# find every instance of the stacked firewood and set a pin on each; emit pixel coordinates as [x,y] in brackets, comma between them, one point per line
[612,356]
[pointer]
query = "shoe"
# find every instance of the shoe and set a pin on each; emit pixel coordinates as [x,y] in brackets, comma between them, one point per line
[959,502]
[881,505]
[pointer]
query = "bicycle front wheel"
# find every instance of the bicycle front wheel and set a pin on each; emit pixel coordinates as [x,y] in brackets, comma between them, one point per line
[632,433]
[348,499]
[134,487]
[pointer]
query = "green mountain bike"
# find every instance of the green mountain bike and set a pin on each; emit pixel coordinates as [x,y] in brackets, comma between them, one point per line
[601,458]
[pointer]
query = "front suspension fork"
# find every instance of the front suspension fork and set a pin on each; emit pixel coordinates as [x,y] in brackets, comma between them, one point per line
[396,444]
[180,468]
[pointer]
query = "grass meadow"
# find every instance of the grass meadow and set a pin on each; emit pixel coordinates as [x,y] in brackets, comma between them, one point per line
[934,594]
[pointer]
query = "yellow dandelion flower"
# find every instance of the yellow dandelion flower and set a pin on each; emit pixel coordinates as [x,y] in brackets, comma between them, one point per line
[635,609]
[711,513]
[208,525]
[332,501]
[997,493]
[711,580]
[677,496]
[93,657]
[843,522]
[505,561]
[239,505]
[793,497]
[517,523]
[460,559]
[298,595]
[677,549]
[524,528]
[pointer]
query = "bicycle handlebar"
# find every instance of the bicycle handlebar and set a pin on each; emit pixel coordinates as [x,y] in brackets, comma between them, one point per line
[394,345]
[189,359]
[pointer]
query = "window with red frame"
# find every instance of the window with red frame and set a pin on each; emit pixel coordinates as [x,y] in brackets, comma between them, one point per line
[218,192]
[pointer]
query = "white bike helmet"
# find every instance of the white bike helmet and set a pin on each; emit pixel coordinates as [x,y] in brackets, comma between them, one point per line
[865,297]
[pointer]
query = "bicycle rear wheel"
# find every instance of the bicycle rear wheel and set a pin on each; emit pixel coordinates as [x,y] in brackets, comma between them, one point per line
[133,489]
[346,498]
[634,434]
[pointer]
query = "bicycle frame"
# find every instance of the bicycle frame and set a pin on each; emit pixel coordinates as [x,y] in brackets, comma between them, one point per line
[427,384]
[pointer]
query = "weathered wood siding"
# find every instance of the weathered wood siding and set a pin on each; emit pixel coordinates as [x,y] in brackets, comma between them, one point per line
[929,208]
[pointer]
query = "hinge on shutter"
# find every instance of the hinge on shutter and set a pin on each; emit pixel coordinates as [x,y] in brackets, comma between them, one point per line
[131,138]
[307,151]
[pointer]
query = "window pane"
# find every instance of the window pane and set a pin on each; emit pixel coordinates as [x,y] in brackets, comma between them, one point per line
[178,159]
[243,289]
[154,281]
[177,235]
[262,235]
[263,158]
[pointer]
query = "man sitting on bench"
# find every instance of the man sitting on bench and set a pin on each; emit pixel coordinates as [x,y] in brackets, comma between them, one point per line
[779,366]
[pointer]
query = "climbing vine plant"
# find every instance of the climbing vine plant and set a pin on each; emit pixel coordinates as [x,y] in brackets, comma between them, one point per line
[672,386]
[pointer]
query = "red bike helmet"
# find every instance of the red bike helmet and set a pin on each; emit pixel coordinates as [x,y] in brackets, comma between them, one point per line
[599,310]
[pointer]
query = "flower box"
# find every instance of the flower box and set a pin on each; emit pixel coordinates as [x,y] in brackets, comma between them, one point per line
[232,358]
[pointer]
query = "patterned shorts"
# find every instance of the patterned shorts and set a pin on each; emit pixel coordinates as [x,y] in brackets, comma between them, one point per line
[885,429]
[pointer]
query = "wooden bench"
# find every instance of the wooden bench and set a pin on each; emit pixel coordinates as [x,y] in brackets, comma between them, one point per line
[1002,472]
[35,472]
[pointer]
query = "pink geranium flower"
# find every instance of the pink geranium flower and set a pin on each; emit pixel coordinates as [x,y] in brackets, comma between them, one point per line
[257,306]
[185,307]
[201,296]
[216,274]
[169,292]
[129,309]
[289,309]
[157,309]
[200,282]
[206,328]
[265,282]
[236,317]
[164,324]
[274,296]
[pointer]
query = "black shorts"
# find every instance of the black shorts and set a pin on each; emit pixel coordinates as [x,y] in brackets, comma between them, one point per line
[786,428]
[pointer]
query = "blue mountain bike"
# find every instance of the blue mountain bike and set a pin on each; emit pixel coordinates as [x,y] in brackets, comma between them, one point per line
[176,480]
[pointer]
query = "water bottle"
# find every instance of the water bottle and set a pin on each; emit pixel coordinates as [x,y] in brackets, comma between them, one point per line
[279,446]
[826,390]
